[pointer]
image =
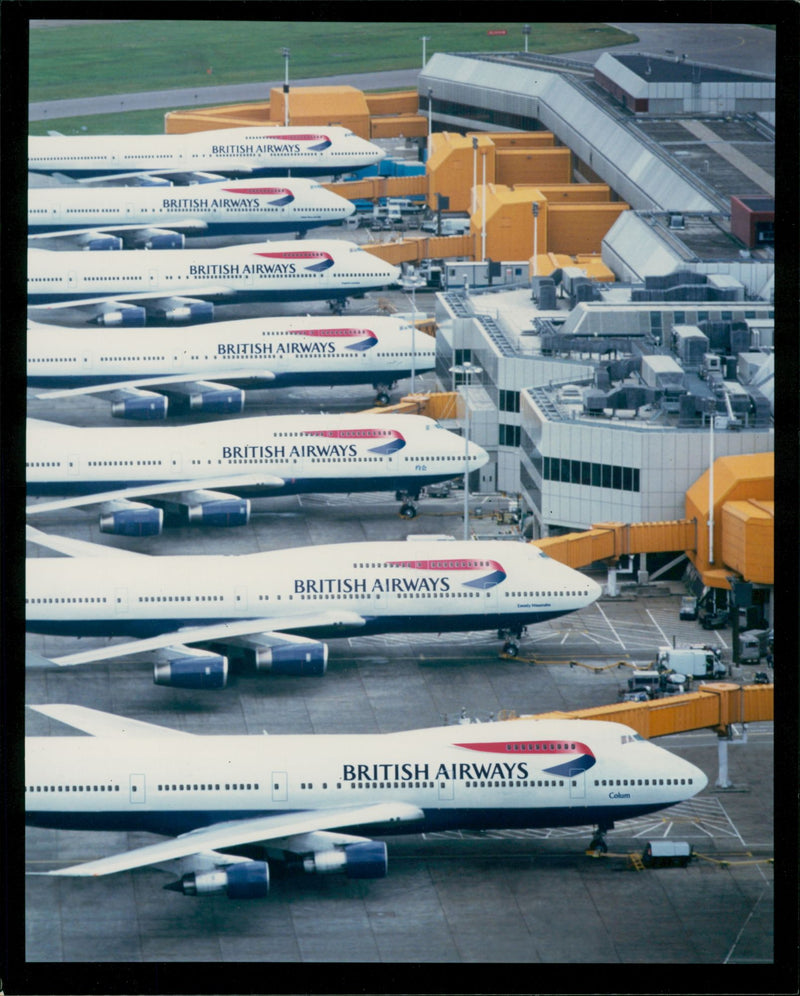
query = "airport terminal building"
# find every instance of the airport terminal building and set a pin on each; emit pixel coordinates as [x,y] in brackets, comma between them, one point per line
[601,401]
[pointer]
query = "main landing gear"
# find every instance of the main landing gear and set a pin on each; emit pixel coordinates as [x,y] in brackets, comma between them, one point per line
[382,394]
[337,305]
[408,509]
[512,638]
[598,842]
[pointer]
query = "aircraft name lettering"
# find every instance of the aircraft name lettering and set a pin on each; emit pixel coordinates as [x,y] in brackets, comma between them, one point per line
[383,586]
[206,204]
[240,269]
[255,150]
[275,349]
[619,795]
[269,452]
[456,770]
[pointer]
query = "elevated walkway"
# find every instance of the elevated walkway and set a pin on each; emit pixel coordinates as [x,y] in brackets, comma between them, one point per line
[716,705]
[611,540]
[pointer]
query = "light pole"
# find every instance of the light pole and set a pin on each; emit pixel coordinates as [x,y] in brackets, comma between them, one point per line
[526,30]
[423,39]
[535,238]
[286,87]
[467,369]
[483,212]
[474,171]
[411,281]
[430,119]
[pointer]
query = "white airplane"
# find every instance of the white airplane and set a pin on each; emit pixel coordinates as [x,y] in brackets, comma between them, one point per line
[315,802]
[148,373]
[179,470]
[157,218]
[268,610]
[313,150]
[127,286]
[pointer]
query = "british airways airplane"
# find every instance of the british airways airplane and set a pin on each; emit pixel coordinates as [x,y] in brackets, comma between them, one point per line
[315,802]
[179,471]
[174,285]
[152,372]
[269,610]
[313,150]
[157,218]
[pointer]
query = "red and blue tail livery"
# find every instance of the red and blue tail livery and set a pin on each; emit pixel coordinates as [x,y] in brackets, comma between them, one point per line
[324,260]
[580,756]
[495,577]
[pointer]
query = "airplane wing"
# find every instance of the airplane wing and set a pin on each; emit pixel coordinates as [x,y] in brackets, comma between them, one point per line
[74,238]
[235,833]
[105,724]
[212,631]
[163,381]
[148,178]
[94,307]
[75,547]
[168,488]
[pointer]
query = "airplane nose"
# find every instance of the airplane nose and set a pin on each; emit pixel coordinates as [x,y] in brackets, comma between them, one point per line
[477,455]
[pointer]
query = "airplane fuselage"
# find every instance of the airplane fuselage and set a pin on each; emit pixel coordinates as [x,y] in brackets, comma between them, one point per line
[390,586]
[522,773]
[224,208]
[304,150]
[269,271]
[361,453]
[293,351]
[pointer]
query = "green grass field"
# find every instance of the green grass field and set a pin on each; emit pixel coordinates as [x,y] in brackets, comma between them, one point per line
[131,56]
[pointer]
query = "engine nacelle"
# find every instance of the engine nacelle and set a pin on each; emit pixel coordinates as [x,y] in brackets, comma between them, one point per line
[367,859]
[245,880]
[222,512]
[206,398]
[308,659]
[136,520]
[156,238]
[144,406]
[200,670]
[218,400]
[98,242]
[128,316]
[181,309]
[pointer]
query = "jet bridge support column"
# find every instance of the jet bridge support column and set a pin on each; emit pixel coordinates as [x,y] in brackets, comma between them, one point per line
[723,739]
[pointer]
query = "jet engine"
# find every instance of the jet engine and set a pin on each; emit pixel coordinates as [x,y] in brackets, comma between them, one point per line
[279,654]
[131,518]
[205,508]
[134,403]
[183,309]
[98,241]
[122,316]
[156,238]
[185,667]
[205,397]
[245,880]
[222,511]
[367,859]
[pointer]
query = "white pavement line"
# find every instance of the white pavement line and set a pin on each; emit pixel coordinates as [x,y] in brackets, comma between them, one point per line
[610,626]
[660,630]
[742,929]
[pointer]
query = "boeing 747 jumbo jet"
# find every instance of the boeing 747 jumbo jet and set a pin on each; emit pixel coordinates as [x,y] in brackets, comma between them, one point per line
[315,150]
[158,218]
[127,286]
[149,373]
[315,802]
[175,467]
[257,606]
